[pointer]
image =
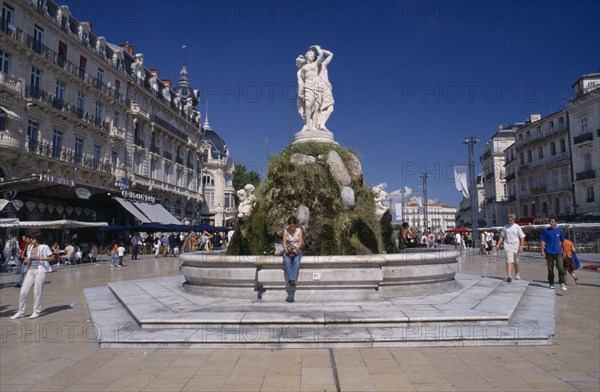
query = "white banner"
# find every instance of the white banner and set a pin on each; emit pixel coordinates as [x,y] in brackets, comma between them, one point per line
[398,209]
[419,200]
[460,179]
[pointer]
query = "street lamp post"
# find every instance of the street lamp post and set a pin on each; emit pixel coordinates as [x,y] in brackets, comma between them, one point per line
[471,141]
[424,176]
[403,191]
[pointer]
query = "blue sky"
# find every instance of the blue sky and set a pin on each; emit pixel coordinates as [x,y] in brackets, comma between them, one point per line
[411,79]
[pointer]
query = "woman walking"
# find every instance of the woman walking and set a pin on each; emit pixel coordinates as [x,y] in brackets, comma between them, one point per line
[38,257]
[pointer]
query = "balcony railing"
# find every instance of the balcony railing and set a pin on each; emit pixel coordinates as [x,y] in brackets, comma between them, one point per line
[512,198]
[510,177]
[139,142]
[190,165]
[10,82]
[164,124]
[53,57]
[155,149]
[583,138]
[585,175]
[65,107]
[544,161]
[179,161]
[65,155]
[168,155]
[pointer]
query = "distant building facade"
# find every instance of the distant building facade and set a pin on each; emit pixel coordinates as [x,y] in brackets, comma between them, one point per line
[583,112]
[440,216]
[463,214]
[492,160]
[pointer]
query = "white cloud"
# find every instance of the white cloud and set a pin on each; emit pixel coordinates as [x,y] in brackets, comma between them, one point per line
[396,196]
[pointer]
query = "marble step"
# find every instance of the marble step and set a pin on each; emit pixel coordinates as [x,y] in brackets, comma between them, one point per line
[485,311]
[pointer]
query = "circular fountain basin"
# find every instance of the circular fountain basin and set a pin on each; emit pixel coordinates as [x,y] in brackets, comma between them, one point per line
[364,277]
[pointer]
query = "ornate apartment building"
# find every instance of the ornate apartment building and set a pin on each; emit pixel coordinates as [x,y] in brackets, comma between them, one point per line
[557,159]
[85,126]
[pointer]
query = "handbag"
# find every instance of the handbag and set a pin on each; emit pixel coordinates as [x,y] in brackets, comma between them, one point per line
[575,260]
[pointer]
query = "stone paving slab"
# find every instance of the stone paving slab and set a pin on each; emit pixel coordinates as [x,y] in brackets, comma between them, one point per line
[483,311]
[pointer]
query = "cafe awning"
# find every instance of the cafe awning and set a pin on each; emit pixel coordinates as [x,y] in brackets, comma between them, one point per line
[56,224]
[147,212]
[9,113]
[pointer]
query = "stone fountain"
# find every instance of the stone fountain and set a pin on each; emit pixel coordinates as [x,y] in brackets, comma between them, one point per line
[354,288]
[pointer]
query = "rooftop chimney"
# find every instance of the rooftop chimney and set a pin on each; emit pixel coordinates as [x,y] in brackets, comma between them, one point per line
[500,127]
[128,48]
[154,71]
[167,82]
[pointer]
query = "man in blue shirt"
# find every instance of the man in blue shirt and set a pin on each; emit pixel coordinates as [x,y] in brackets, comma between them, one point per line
[552,240]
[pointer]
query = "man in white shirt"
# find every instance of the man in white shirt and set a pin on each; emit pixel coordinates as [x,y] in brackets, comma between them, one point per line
[513,238]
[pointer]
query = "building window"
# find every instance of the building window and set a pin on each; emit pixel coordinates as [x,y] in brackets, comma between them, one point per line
[78,148]
[115,119]
[563,146]
[80,103]
[97,152]
[590,194]
[57,143]
[557,206]
[99,108]
[114,158]
[38,35]
[540,152]
[7,13]
[520,137]
[60,90]
[533,209]
[527,134]
[552,149]
[561,121]
[554,177]
[100,78]
[587,161]
[529,156]
[565,175]
[521,159]
[525,211]
[208,180]
[3,122]
[539,131]
[552,125]
[153,166]
[545,208]
[542,179]
[32,134]
[35,80]
[4,61]
[584,124]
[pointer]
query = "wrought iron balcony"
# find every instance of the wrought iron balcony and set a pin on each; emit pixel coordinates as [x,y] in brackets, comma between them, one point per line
[585,175]
[584,137]
[155,149]
[139,142]
[62,154]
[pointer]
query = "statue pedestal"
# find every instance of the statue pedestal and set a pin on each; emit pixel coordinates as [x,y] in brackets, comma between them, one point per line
[314,136]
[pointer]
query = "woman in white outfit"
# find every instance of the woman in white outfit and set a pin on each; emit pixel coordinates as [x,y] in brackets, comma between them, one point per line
[38,257]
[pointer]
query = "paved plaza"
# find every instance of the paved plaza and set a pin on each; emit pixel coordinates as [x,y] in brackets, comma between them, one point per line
[59,351]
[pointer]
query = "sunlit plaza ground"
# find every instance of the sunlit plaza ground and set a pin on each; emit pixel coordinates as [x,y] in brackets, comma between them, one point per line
[58,351]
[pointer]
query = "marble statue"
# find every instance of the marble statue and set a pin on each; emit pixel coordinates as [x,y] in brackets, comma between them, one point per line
[247,199]
[315,95]
[177,102]
[167,93]
[154,83]
[137,68]
[380,197]
[188,109]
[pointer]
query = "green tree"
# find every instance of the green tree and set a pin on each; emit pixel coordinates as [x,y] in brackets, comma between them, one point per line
[241,177]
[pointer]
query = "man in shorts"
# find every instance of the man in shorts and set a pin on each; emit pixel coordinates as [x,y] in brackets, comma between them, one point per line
[513,238]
